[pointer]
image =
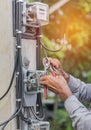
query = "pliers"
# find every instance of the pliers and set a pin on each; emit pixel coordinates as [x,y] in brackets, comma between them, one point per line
[54,71]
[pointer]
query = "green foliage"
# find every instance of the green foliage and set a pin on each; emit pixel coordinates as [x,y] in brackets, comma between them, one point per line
[61,121]
[77,27]
[75,61]
[88,77]
[79,33]
[78,61]
[52,46]
[32,0]
[85,5]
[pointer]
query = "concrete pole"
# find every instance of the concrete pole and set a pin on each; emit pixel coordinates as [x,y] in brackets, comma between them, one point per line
[7,105]
[7,51]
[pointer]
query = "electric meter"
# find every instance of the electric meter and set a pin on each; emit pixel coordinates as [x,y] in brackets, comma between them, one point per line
[35,14]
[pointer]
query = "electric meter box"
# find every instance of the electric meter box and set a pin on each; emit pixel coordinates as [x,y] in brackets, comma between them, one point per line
[35,13]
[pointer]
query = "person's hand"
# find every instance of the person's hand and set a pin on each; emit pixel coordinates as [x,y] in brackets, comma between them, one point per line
[56,84]
[56,63]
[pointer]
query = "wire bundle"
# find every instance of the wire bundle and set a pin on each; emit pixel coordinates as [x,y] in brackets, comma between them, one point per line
[17,70]
[17,64]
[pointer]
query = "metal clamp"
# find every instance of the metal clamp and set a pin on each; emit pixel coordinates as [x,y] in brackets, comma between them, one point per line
[18,100]
[19,1]
[18,31]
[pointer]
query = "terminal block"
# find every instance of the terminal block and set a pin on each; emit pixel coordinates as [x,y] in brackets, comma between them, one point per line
[31,86]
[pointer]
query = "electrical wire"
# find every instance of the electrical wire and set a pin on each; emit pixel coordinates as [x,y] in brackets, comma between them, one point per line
[19,79]
[16,113]
[21,75]
[39,105]
[17,68]
[38,118]
[57,50]
[12,78]
[26,119]
[13,116]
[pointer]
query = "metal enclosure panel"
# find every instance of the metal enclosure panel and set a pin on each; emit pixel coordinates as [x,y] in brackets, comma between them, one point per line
[29,52]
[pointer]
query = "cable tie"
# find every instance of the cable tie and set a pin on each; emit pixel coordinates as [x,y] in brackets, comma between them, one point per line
[18,100]
[37,105]
[19,47]
[17,73]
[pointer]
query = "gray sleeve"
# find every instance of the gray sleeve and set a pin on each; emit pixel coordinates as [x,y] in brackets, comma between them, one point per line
[80,89]
[79,114]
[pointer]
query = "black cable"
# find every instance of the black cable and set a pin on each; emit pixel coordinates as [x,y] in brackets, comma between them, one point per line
[17,63]
[12,79]
[21,75]
[19,84]
[18,87]
[34,113]
[19,79]
[25,119]
[17,68]
[13,116]
[50,49]
[3,127]
[39,106]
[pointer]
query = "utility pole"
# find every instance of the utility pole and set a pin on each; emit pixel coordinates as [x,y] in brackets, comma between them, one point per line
[23,47]
[7,50]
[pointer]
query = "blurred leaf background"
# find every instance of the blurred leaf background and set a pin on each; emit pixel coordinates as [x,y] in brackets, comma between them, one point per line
[74,21]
